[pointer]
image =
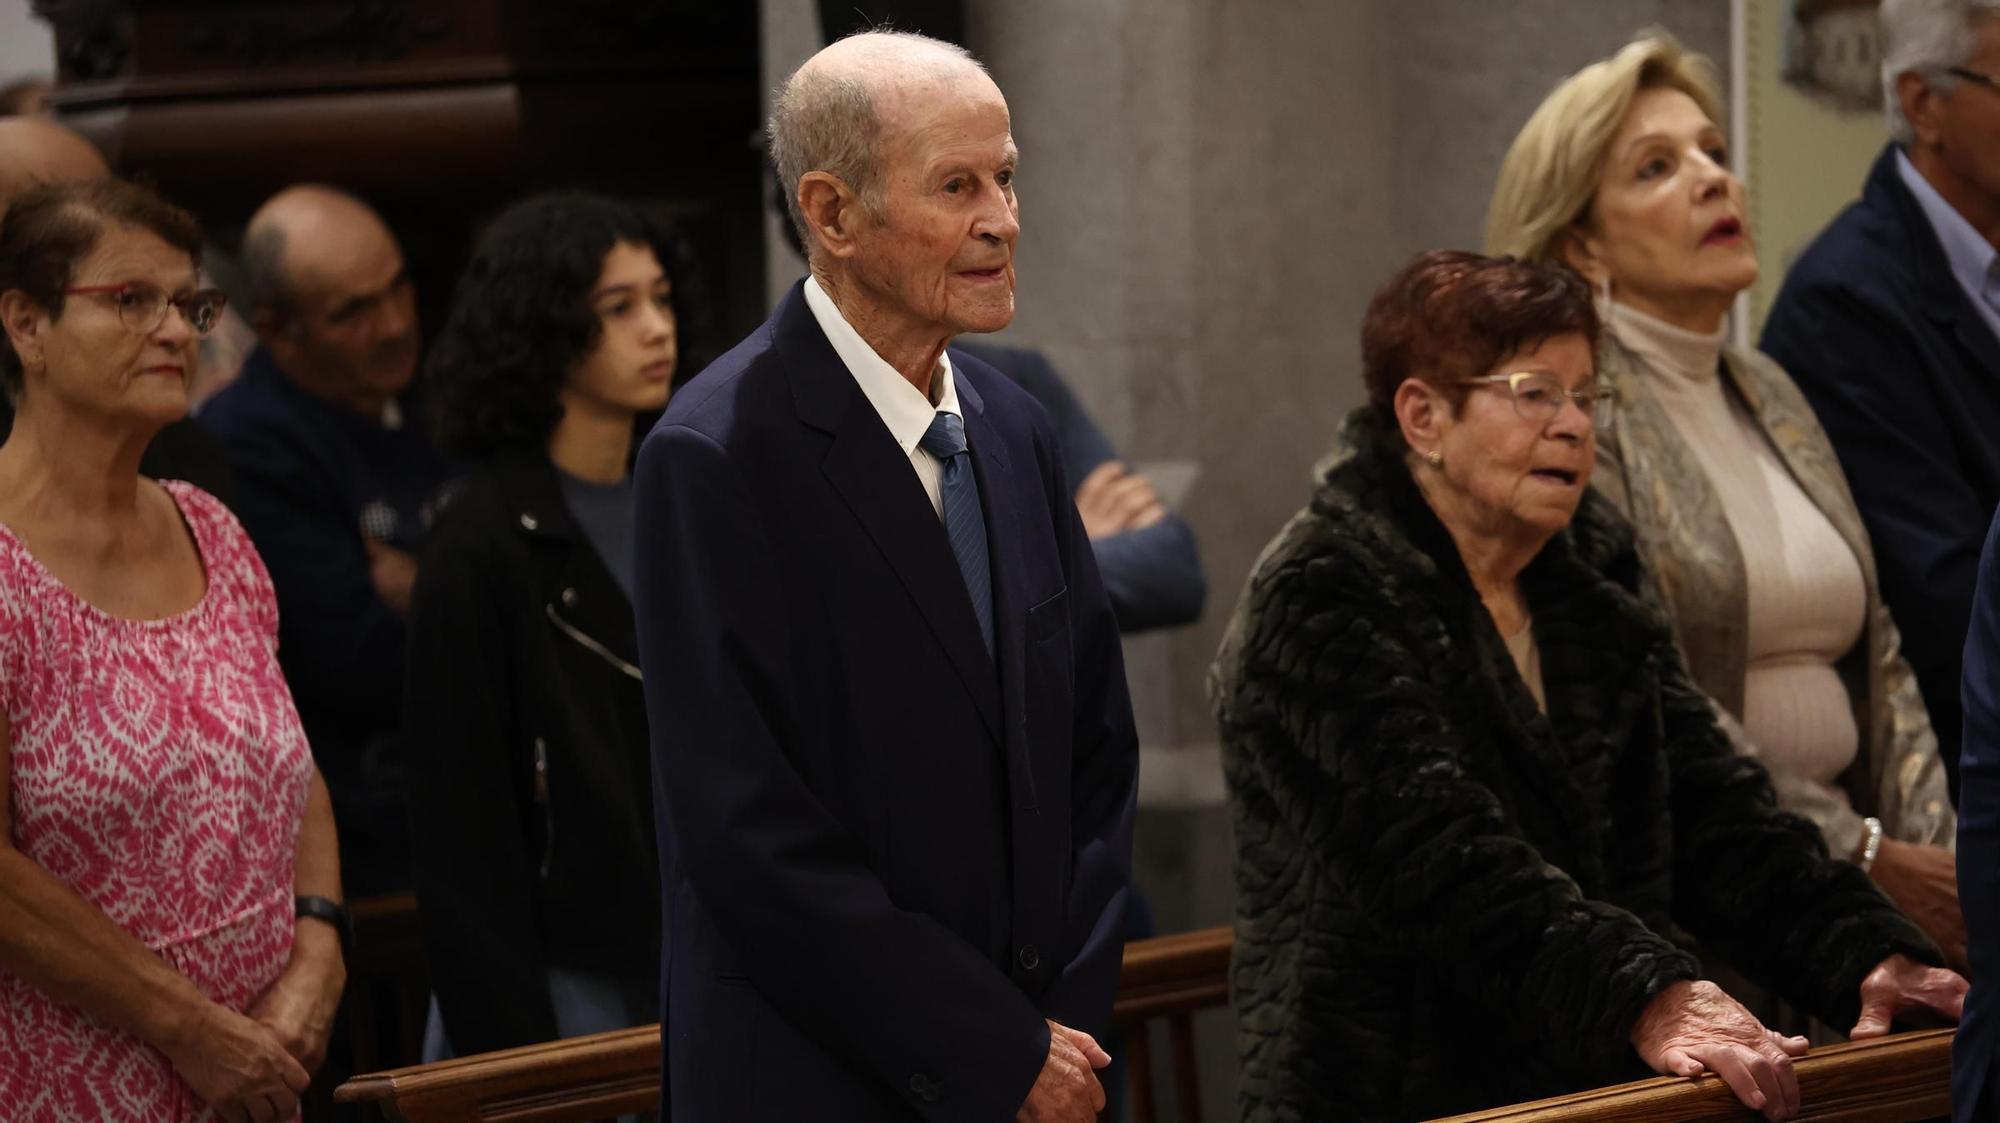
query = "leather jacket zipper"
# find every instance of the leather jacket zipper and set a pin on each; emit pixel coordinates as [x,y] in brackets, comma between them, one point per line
[548,811]
[595,647]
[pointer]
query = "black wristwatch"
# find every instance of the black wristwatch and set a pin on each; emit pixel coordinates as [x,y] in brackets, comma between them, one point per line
[320,908]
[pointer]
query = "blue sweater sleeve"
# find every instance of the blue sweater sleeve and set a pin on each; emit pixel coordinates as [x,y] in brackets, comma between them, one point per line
[1154,576]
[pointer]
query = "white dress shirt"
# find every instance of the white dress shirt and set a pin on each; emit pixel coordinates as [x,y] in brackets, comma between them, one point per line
[903,408]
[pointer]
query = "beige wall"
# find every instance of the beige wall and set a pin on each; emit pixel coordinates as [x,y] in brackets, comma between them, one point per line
[27,47]
[1806,159]
[1212,189]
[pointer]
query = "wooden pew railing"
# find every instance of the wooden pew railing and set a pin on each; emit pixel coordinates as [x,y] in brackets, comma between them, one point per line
[607,1074]
[1169,979]
[1899,1079]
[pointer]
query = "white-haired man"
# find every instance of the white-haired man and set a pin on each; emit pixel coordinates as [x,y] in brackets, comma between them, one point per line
[894,756]
[1890,322]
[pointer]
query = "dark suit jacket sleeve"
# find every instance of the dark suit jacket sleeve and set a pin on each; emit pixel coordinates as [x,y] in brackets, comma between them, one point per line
[1854,359]
[1104,787]
[787,886]
[1756,884]
[1979,823]
[475,878]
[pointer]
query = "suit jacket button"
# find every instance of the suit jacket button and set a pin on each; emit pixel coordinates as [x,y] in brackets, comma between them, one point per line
[568,597]
[530,522]
[925,1088]
[1030,958]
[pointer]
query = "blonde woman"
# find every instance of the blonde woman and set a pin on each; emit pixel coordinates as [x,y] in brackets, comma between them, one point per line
[1742,513]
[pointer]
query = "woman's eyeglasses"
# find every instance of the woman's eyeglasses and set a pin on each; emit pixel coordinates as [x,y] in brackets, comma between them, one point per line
[143,307]
[1539,397]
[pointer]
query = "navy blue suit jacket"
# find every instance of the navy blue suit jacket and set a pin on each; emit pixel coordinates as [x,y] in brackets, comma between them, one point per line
[1905,377]
[885,860]
[1972,1053]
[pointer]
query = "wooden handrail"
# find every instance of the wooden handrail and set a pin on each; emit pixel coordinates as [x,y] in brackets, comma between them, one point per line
[578,1078]
[1185,971]
[1895,1079]
[583,1078]
[1891,1080]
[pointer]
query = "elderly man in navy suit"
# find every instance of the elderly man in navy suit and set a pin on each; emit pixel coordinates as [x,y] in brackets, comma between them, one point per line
[895,761]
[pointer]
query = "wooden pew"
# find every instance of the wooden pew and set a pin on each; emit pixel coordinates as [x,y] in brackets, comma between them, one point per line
[1899,1079]
[568,1081]
[1169,979]
[606,1074]
[388,988]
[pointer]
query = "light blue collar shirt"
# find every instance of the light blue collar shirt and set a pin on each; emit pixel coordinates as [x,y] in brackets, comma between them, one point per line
[1974,260]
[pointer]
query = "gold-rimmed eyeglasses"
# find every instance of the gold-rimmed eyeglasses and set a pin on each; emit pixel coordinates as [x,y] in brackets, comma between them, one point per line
[1539,397]
[142,308]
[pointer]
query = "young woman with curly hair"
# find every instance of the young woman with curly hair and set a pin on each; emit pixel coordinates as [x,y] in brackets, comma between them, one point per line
[531,786]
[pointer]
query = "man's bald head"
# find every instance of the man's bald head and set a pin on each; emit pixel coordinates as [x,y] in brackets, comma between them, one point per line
[330,296]
[298,236]
[834,112]
[35,151]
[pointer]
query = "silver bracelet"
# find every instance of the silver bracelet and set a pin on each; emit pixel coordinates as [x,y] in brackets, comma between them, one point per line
[1874,844]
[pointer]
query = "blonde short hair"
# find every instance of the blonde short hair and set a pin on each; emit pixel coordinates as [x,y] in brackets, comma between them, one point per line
[1550,174]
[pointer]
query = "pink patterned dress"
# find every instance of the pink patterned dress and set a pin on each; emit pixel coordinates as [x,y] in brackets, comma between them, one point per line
[159,771]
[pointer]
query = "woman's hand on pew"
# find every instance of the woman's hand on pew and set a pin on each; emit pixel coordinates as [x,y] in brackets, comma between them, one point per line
[300,1004]
[1693,1027]
[1900,986]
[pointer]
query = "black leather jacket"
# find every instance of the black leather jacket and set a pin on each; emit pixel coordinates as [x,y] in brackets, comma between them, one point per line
[530,773]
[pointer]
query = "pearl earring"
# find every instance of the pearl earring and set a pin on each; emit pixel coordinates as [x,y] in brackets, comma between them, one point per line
[1435,457]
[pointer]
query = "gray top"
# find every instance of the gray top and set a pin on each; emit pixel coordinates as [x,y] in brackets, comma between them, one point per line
[605,512]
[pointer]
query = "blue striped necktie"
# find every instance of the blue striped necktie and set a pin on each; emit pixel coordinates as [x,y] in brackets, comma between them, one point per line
[964,520]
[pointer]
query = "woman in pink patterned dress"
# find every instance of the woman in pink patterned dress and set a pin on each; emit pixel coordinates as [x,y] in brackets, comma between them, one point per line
[162,816]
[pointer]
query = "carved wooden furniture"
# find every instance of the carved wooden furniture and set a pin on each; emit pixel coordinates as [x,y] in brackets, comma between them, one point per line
[437,111]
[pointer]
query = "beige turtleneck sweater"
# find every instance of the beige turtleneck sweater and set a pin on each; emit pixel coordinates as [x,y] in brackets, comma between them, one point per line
[1807,600]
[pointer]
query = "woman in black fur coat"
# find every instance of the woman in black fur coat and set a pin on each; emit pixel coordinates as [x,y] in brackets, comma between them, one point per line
[1479,806]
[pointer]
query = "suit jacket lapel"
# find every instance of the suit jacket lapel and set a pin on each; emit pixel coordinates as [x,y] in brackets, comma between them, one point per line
[998,498]
[1944,297]
[868,469]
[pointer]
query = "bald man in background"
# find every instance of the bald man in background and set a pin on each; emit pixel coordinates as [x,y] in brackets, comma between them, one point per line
[337,482]
[35,152]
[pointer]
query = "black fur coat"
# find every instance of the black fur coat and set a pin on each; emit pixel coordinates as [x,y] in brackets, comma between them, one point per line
[1447,901]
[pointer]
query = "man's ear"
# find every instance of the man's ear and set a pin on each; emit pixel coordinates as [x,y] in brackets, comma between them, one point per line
[1922,107]
[1422,414]
[832,211]
[26,322]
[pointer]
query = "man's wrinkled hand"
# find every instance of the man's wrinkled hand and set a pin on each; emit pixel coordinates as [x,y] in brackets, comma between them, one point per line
[1693,1027]
[1900,985]
[1067,1090]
